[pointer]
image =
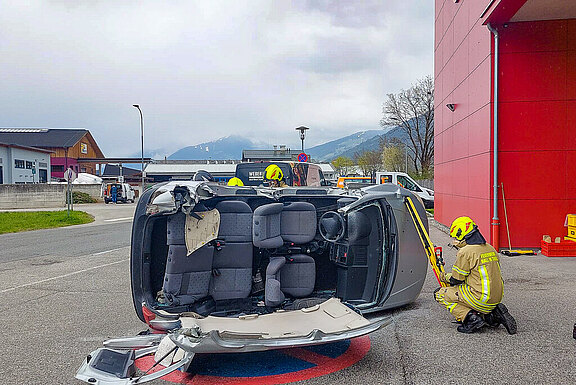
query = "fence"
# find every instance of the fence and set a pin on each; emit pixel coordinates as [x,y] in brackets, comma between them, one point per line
[26,196]
[428,183]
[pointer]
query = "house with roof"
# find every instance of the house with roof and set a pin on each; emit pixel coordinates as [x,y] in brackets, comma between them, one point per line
[68,146]
[23,164]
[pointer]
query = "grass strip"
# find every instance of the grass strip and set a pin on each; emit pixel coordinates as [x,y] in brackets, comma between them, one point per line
[16,221]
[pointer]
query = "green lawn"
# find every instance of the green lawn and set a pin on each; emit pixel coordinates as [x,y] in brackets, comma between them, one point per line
[15,221]
[431,211]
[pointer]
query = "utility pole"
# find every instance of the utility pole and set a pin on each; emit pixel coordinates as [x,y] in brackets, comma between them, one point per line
[142,142]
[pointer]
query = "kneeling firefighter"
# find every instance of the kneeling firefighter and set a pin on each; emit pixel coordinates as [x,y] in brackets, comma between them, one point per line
[476,282]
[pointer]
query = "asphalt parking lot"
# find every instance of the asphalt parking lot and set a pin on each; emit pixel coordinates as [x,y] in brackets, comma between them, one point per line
[56,310]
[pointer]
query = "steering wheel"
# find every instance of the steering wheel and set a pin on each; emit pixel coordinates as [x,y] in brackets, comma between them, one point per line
[332,226]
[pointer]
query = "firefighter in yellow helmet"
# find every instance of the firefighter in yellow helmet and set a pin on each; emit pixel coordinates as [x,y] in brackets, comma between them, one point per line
[476,282]
[273,174]
[235,182]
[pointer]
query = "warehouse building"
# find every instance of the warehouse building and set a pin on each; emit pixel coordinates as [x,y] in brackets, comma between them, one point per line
[22,164]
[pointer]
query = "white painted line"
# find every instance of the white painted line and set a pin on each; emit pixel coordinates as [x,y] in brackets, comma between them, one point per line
[117,219]
[61,276]
[109,251]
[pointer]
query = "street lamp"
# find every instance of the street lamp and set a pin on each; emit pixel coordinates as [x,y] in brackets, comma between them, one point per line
[302,130]
[142,141]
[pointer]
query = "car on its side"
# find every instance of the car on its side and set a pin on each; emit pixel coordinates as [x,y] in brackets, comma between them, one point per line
[220,269]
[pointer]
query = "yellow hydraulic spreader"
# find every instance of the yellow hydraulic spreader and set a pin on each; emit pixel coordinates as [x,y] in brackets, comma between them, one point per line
[434,253]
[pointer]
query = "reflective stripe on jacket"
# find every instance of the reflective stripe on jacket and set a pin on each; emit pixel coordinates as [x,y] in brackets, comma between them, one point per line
[479,267]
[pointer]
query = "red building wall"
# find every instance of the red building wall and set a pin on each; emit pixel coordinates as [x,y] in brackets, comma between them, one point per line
[537,118]
[462,139]
[537,128]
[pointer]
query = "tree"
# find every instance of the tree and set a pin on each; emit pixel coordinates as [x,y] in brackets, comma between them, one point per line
[369,162]
[393,158]
[343,164]
[413,111]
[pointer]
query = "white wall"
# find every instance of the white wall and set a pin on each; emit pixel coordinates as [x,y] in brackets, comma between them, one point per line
[13,175]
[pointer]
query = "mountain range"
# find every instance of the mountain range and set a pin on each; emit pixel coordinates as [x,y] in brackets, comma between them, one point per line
[231,147]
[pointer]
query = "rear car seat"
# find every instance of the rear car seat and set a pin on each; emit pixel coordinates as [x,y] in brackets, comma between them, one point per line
[187,277]
[232,265]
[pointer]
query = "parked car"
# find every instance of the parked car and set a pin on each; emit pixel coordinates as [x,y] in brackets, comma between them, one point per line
[404,180]
[220,269]
[124,193]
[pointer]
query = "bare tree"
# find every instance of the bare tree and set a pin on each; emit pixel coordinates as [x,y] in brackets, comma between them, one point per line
[413,111]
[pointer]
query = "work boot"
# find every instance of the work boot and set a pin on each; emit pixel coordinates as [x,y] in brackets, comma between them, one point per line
[492,320]
[501,315]
[471,323]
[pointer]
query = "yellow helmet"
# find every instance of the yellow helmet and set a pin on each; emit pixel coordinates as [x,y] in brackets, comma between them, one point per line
[273,172]
[461,227]
[235,182]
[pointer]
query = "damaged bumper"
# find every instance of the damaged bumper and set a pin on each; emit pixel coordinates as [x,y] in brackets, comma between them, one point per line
[115,364]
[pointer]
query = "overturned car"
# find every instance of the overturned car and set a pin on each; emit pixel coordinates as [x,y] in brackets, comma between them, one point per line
[219,269]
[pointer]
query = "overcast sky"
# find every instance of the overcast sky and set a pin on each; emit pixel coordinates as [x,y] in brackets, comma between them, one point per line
[205,69]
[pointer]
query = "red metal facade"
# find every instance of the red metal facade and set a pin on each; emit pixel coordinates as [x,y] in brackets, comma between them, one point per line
[462,139]
[537,117]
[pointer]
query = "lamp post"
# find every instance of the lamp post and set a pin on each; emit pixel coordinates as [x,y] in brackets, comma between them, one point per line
[302,130]
[142,142]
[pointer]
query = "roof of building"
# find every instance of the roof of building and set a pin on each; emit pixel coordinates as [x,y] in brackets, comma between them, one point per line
[42,137]
[188,168]
[114,170]
[29,148]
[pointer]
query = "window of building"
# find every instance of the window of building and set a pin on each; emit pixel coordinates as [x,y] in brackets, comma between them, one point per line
[57,168]
[83,169]
[19,163]
[29,165]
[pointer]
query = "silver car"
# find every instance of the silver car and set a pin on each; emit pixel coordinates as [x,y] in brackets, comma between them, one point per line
[218,269]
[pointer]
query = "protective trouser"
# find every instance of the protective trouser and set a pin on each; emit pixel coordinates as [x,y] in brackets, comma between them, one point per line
[450,298]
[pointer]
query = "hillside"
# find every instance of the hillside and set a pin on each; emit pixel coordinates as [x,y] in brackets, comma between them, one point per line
[229,147]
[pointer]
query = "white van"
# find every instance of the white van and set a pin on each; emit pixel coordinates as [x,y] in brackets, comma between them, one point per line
[124,193]
[404,180]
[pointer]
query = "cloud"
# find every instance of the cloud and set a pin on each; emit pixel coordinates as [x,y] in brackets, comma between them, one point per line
[206,69]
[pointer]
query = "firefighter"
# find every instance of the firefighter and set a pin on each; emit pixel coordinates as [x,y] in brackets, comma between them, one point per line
[273,175]
[235,182]
[476,285]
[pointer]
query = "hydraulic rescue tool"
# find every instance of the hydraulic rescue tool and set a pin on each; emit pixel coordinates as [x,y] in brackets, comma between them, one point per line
[434,253]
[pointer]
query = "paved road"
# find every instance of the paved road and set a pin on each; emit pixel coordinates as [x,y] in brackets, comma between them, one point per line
[53,314]
[65,242]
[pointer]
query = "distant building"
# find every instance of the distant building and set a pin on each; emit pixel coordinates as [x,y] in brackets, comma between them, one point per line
[277,153]
[23,164]
[161,171]
[113,171]
[67,146]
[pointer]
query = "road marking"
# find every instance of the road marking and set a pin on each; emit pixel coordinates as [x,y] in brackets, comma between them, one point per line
[62,276]
[117,219]
[109,251]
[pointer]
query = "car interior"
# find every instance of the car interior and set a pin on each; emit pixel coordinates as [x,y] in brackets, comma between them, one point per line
[268,254]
